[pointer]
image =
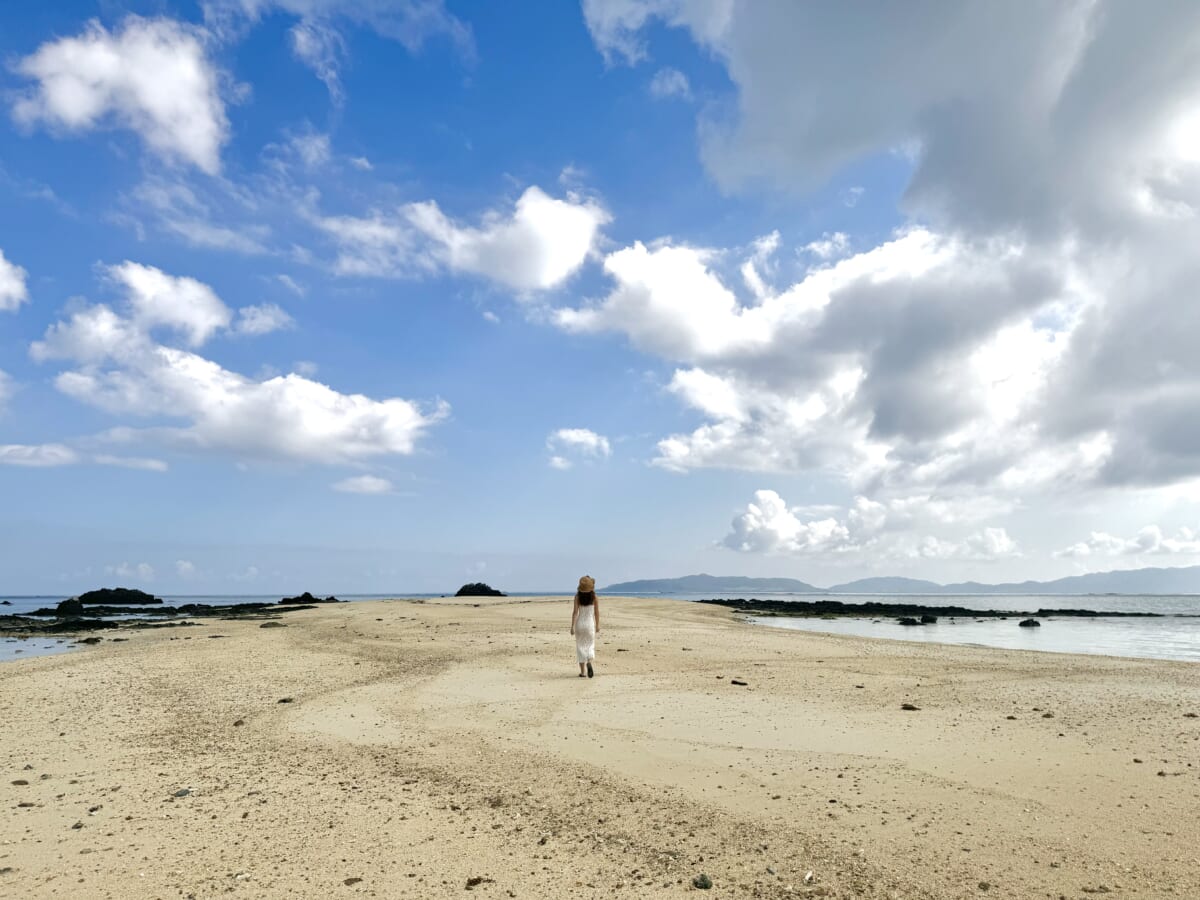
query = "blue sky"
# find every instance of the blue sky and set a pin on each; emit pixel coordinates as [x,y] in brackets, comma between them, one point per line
[373,295]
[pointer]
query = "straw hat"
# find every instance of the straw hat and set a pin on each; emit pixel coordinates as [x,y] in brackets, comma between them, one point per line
[587,584]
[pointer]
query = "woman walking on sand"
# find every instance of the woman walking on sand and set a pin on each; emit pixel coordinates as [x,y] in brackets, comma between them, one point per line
[585,623]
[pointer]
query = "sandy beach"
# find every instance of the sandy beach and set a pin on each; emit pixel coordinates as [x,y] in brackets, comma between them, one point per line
[430,748]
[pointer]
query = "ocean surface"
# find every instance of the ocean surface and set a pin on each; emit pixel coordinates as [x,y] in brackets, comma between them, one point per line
[24,647]
[1176,635]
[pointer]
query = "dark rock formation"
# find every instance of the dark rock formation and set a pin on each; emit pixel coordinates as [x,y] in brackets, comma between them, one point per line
[233,610]
[479,589]
[68,625]
[1030,623]
[118,596]
[62,620]
[306,597]
[928,619]
[72,607]
[908,620]
[890,609]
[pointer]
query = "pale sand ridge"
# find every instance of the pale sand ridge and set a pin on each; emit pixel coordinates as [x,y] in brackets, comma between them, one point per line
[435,742]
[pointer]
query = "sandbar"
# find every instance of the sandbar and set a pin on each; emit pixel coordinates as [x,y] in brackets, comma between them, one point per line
[425,749]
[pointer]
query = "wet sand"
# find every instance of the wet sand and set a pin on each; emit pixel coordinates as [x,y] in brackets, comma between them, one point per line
[427,745]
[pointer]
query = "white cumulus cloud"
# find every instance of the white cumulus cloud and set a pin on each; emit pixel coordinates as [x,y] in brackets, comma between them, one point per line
[872,368]
[538,245]
[986,544]
[124,369]
[868,530]
[569,445]
[769,526]
[13,290]
[1149,541]
[151,76]
[179,303]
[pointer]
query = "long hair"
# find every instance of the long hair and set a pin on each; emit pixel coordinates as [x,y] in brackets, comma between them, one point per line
[585,598]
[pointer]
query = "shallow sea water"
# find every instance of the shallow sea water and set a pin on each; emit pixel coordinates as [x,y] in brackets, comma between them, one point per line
[1166,638]
[23,648]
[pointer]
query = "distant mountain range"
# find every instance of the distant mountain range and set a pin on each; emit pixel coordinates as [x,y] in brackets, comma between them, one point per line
[1185,580]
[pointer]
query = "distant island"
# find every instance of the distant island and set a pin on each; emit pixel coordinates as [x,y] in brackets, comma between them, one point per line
[306,597]
[1181,580]
[117,596]
[479,589]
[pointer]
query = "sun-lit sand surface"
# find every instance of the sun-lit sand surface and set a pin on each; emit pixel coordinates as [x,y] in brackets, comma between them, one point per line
[426,745]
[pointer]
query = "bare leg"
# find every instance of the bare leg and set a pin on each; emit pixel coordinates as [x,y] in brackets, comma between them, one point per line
[582,672]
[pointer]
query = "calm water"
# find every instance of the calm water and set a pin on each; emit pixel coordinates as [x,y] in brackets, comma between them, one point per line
[1149,638]
[1175,636]
[23,648]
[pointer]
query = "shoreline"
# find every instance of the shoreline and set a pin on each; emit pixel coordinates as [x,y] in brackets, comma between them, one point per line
[430,742]
[851,618]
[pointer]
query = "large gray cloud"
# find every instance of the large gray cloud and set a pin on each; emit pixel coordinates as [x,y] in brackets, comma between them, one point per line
[1056,145]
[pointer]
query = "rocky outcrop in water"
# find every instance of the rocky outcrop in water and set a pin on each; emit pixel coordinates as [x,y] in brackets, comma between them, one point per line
[916,611]
[306,597]
[479,589]
[117,597]
[63,618]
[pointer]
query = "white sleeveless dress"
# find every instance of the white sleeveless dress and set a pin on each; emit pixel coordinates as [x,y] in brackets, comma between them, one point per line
[585,634]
